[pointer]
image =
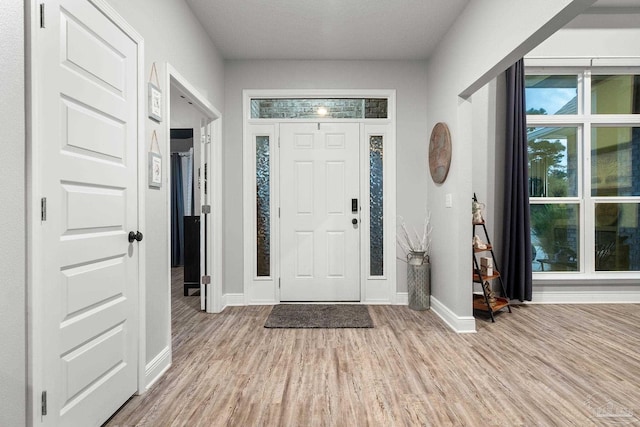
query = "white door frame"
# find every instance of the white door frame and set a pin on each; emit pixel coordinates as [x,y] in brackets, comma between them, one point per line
[373,290]
[35,281]
[213,157]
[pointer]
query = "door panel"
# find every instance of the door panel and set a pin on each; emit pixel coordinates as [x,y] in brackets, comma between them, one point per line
[320,256]
[87,133]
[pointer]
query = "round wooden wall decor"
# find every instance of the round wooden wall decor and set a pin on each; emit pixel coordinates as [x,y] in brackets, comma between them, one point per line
[439,153]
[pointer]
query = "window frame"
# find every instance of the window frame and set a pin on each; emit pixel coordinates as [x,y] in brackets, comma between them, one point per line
[584,120]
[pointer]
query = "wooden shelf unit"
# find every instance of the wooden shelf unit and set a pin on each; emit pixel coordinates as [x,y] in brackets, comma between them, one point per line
[481,301]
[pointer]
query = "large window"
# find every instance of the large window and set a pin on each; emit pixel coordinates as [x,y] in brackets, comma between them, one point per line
[583,130]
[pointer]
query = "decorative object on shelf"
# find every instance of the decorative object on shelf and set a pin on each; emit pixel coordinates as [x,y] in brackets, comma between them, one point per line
[416,250]
[491,296]
[476,211]
[439,153]
[478,243]
[154,96]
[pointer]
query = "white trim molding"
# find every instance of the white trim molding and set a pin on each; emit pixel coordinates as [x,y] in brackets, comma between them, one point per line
[459,324]
[373,290]
[213,157]
[231,300]
[598,296]
[157,367]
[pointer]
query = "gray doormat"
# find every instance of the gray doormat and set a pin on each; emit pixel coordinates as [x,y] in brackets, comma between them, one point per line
[319,316]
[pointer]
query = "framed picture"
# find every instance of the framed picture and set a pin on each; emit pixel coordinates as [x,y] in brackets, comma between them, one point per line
[155,102]
[155,170]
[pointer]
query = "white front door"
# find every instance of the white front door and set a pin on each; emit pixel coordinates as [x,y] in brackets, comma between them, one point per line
[319,212]
[87,149]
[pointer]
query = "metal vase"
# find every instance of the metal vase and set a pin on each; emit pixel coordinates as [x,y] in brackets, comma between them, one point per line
[419,285]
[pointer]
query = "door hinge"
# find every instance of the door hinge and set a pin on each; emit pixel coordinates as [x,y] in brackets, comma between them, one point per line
[278,141]
[206,280]
[208,138]
[278,212]
[203,139]
[43,209]
[206,209]
[279,282]
[41,15]
[43,408]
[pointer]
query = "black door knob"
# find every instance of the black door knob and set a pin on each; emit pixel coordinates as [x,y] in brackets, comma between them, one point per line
[135,235]
[354,221]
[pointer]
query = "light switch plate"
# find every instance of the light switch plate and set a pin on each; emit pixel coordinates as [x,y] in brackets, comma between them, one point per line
[448,200]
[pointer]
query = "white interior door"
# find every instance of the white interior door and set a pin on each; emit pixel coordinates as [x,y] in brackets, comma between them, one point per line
[319,222]
[87,142]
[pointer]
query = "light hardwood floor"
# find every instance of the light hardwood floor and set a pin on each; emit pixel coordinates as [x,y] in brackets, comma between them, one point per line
[542,365]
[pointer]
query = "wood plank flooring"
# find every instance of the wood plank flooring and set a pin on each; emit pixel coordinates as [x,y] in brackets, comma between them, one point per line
[542,365]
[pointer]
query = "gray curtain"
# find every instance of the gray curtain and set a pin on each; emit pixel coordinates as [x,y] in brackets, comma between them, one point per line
[177,212]
[516,244]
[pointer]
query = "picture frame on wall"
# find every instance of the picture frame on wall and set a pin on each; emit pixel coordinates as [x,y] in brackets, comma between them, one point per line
[155,170]
[155,102]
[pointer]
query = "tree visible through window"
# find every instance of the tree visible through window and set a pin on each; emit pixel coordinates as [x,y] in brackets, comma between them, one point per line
[583,133]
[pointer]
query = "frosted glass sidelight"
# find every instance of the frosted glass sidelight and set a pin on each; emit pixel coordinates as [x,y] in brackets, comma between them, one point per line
[376,243]
[263,207]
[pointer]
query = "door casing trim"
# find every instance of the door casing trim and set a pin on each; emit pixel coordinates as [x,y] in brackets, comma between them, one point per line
[373,290]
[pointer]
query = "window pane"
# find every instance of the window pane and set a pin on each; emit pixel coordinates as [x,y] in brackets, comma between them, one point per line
[376,245]
[314,108]
[617,237]
[555,237]
[553,161]
[263,214]
[551,94]
[615,161]
[615,94]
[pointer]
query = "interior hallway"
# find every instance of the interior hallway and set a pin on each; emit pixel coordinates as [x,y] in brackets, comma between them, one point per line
[540,365]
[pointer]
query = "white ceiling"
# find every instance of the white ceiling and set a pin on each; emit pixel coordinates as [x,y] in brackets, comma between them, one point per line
[329,29]
[333,29]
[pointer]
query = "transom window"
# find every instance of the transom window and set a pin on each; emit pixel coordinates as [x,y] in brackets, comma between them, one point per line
[319,108]
[583,129]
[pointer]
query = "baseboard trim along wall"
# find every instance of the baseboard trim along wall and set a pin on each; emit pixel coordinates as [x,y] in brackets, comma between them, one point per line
[585,297]
[460,324]
[402,298]
[229,300]
[157,367]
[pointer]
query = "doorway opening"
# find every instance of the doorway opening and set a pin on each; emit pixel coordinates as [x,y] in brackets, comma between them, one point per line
[195,192]
[319,196]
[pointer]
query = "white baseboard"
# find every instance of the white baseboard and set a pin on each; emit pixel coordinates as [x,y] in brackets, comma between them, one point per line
[461,325]
[232,300]
[157,367]
[585,297]
[402,298]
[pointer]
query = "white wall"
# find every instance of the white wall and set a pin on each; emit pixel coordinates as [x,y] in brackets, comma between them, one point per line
[480,45]
[591,36]
[12,216]
[172,34]
[407,77]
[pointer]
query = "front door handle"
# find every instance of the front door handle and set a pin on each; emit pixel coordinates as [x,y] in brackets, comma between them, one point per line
[354,221]
[135,235]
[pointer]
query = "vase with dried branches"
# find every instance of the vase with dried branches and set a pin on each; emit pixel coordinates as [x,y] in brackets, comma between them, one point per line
[417,248]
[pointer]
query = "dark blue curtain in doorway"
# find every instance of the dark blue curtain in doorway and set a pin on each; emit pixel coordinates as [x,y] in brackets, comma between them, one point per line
[177,212]
[516,244]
